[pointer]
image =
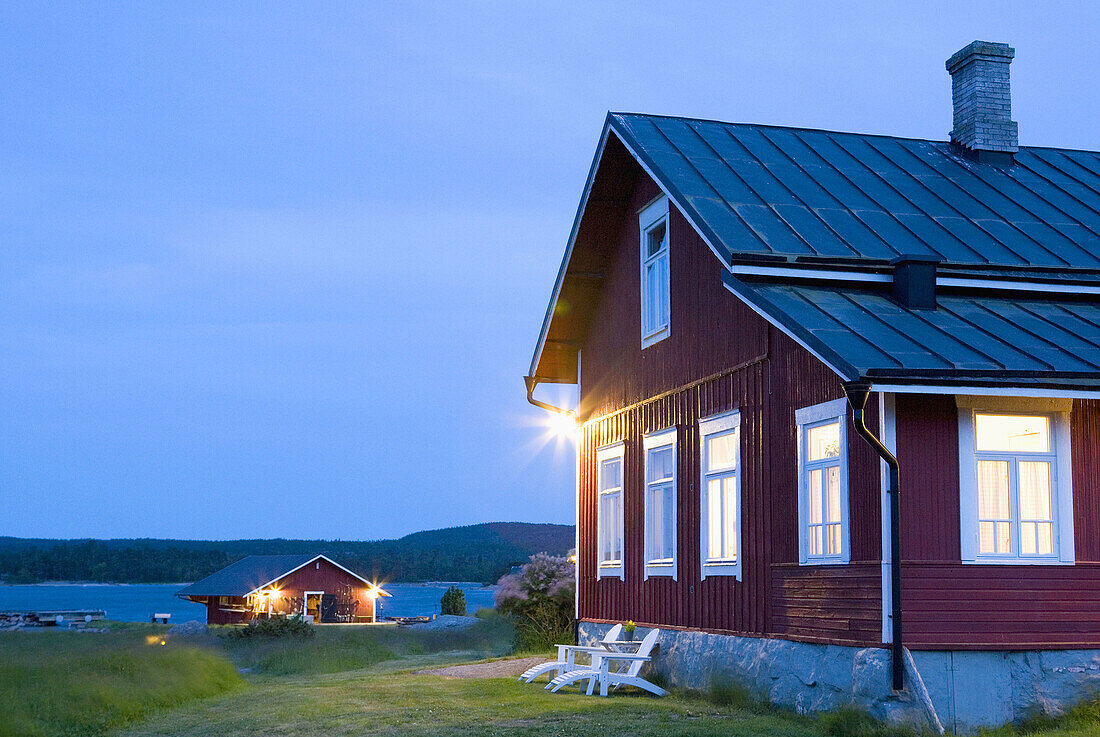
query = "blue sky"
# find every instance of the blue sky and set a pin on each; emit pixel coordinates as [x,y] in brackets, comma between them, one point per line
[277,270]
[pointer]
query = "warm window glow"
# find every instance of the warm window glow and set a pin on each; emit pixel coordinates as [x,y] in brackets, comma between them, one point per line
[722,451]
[822,483]
[823,441]
[1036,515]
[1015,486]
[994,511]
[1013,433]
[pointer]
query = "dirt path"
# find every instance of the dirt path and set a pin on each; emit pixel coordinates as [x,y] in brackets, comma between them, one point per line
[495,669]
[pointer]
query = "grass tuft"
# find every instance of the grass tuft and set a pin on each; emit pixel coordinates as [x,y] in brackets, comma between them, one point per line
[857,723]
[68,683]
[1082,720]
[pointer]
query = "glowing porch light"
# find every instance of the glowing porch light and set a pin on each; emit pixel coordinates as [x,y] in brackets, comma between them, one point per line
[563,424]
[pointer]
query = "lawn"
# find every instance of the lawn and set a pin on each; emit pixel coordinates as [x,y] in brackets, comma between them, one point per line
[354,681]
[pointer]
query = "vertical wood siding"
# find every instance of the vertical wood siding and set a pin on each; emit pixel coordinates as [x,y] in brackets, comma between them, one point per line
[720,356]
[947,604]
[317,576]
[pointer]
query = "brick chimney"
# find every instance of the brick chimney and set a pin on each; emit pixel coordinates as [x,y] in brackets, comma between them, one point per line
[982,102]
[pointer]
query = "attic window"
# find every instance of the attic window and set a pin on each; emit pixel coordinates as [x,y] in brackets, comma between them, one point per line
[653,226]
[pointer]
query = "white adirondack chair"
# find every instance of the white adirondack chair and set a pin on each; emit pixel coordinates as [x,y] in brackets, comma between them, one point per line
[567,655]
[614,669]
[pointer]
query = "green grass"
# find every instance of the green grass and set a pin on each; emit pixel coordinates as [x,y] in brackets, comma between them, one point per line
[1082,721]
[362,681]
[337,649]
[69,683]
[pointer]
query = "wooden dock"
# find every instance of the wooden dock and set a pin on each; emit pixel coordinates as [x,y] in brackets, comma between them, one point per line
[50,617]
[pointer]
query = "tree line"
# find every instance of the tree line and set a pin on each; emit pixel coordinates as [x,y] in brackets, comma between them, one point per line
[480,553]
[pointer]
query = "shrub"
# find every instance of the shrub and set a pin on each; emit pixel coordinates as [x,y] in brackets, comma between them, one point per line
[453,602]
[540,597]
[272,628]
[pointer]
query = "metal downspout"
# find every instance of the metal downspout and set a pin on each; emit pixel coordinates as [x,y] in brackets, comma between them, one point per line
[531,383]
[858,392]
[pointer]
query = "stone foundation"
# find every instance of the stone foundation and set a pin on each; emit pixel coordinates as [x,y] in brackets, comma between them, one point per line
[960,690]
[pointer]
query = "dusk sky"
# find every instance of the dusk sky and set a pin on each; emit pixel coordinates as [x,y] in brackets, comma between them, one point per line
[274,270]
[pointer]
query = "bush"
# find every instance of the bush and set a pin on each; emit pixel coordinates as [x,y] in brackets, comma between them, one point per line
[453,602]
[272,628]
[540,597]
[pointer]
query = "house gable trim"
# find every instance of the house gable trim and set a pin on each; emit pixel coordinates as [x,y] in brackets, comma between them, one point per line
[312,560]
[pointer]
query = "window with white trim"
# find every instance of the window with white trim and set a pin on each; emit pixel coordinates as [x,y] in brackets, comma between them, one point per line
[609,511]
[823,483]
[1015,480]
[660,503]
[653,226]
[720,495]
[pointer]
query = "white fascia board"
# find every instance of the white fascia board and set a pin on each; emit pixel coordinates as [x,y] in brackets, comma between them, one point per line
[668,193]
[607,131]
[825,274]
[313,560]
[887,421]
[798,272]
[569,247]
[1016,286]
[790,334]
[985,390]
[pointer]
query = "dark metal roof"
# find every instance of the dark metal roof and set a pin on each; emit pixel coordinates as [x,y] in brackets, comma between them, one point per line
[764,191]
[246,575]
[976,339]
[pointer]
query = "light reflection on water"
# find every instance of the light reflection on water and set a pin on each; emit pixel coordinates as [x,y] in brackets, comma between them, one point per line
[136,602]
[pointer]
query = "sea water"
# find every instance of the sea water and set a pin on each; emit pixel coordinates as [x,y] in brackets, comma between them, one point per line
[138,602]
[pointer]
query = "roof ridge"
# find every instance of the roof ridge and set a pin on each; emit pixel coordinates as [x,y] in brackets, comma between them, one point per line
[827,130]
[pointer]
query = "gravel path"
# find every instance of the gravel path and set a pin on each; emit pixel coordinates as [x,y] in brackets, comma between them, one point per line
[495,669]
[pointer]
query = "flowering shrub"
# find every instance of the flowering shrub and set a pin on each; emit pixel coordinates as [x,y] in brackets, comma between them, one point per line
[540,597]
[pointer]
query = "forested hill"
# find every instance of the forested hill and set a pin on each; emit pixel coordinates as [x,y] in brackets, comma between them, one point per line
[473,553]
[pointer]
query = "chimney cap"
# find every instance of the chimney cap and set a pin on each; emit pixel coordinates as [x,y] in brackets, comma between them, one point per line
[990,49]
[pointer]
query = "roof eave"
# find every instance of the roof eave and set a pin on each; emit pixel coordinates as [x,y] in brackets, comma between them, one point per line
[560,279]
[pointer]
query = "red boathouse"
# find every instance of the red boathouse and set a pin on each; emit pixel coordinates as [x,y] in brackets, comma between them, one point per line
[311,586]
[763,322]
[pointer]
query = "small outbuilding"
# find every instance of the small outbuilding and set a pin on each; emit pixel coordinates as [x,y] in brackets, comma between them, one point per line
[313,586]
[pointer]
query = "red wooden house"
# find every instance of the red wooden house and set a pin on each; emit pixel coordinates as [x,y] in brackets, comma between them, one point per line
[312,586]
[736,300]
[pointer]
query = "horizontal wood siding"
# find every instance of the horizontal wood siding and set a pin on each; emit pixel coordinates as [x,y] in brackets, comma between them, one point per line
[947,604]
[835,604]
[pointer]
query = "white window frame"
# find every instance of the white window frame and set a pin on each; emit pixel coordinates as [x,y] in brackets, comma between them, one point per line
[610,568]
[1058,410]
[663,566]
[806,418]
[651,216]
[721,424]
